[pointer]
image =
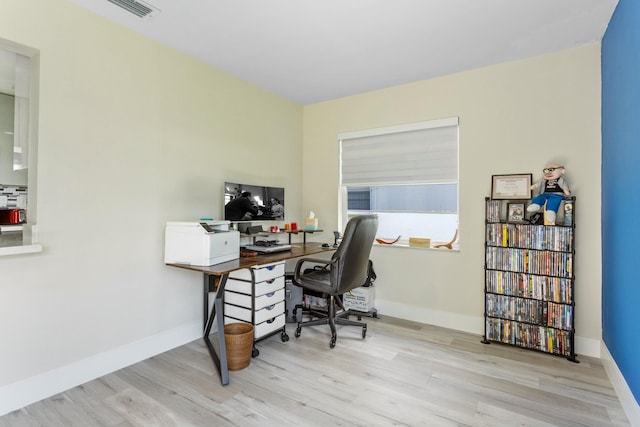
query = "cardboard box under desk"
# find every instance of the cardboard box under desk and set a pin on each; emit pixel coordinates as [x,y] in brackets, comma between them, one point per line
[360,299]
[312,301]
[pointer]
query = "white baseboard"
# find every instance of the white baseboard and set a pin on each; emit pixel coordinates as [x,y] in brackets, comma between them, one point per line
[629,404]
[472,324]
[445,319]
[588,347]
[17,395]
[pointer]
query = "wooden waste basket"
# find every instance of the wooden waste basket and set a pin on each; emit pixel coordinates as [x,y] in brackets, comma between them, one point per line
[238,338]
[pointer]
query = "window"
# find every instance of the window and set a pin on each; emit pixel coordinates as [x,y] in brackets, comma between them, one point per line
[18,145]
[407,175]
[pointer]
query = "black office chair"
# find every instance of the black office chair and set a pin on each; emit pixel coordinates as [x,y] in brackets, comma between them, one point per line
[347,269]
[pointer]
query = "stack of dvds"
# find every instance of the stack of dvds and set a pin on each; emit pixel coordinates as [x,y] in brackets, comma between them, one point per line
[529,278]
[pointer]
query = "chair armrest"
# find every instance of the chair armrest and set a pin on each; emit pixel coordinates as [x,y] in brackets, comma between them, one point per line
[317,261]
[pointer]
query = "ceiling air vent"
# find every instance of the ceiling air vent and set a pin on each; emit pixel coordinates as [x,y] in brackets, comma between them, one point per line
[138,8]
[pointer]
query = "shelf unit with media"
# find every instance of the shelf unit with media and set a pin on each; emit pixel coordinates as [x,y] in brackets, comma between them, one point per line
[529,279]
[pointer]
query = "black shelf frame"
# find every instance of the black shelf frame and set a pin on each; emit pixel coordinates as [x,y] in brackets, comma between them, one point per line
[499,217]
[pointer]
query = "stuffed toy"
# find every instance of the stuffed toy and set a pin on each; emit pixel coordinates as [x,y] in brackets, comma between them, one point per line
[550,189]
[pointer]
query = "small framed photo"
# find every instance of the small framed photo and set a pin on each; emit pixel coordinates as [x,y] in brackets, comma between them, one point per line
[515,212]
[516,186]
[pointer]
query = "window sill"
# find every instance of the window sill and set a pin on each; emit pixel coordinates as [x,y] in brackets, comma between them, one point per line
[455,248]
[18,250]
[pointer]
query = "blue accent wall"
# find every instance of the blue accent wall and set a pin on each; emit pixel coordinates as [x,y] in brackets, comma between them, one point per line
[621,191]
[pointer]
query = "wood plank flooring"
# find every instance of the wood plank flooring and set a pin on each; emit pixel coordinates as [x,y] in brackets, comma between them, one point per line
[402,374]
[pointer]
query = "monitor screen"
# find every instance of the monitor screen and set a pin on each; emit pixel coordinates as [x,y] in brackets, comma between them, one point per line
[245,202]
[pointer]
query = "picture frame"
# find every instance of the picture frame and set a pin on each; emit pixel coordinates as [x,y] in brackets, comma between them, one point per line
[514,186]
[516,212]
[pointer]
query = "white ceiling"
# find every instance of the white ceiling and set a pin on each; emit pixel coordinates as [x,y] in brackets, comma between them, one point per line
[315,50]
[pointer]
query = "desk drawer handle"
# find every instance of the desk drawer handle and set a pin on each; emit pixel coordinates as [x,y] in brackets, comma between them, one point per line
[271,320]
[270,307]
[270,294]
[270,281]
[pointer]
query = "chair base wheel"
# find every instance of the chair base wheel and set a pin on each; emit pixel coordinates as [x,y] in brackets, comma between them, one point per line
[332,342]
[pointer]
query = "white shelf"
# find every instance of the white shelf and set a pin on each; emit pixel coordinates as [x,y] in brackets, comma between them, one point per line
[17,250]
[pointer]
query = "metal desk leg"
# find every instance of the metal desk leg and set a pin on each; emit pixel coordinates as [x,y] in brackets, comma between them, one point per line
[217,313]
[205,301]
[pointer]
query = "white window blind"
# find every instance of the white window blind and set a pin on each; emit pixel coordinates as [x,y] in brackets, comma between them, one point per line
[425,152]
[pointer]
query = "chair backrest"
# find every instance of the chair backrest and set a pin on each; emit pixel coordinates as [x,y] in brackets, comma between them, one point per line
[352,256]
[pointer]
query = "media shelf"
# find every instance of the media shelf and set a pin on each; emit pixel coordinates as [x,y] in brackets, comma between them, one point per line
[529,280]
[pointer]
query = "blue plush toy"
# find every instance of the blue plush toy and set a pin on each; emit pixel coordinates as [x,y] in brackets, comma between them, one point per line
[552,189]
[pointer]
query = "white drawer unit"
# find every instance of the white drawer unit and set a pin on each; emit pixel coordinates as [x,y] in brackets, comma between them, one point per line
[266,328]
[256,316]
[260,272]
[256,295]
[249,288]
[272,325]
[259,301]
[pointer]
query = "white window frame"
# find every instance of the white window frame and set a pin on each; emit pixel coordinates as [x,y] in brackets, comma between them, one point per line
[425,179]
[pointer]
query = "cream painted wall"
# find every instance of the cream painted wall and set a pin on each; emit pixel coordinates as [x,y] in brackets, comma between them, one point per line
[514,118]
[131,134]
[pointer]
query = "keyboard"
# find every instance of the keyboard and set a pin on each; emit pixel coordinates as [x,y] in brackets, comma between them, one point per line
[267,249]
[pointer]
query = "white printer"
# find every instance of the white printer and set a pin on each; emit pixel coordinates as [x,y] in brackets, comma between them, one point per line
[200,243]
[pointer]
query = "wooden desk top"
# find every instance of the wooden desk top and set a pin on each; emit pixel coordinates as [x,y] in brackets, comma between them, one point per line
[297,251]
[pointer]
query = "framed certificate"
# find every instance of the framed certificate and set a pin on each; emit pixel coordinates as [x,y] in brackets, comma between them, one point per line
[511,186]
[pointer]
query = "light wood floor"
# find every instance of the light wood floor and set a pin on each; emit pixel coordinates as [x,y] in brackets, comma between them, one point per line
[402,374]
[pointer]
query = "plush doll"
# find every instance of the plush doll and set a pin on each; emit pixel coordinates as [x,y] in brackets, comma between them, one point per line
[551,189]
